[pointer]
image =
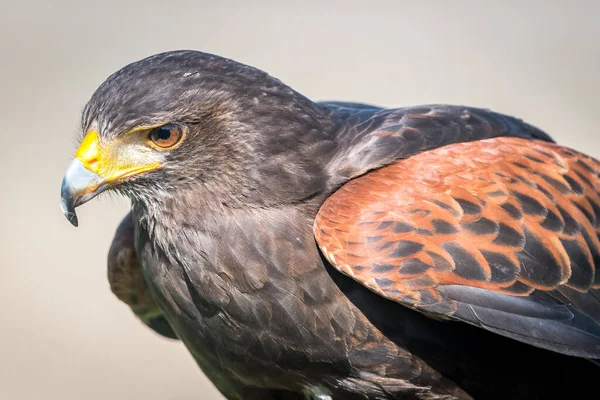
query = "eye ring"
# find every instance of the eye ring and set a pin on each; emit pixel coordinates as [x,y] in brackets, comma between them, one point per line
[166,136]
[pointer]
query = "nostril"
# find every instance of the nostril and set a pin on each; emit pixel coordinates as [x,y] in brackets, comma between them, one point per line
[92,163]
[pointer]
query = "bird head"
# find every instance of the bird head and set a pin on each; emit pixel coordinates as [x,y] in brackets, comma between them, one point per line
[188,120]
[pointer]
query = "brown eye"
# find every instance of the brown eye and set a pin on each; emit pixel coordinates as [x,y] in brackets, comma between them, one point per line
[166,136]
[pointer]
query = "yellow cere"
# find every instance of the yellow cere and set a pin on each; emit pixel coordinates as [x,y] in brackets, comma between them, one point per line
[88,151]
[113,161]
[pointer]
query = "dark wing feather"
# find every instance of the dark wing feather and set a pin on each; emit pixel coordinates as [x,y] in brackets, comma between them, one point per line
[127,282]
[348,105]
[373,137]
[501,233]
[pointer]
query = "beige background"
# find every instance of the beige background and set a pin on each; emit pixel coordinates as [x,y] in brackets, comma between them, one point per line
[63,335]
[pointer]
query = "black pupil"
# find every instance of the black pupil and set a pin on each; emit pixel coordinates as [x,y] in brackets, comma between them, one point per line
[164,133]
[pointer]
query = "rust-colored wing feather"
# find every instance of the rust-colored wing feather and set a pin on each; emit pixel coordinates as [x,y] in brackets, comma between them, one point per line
[127,282]
[501,233]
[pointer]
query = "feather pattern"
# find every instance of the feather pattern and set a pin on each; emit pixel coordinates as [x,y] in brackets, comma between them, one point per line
[501,233]
[127,282]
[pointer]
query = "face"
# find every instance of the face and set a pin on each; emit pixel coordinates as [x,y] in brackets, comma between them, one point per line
[154,124]
[187,122]
[102,164]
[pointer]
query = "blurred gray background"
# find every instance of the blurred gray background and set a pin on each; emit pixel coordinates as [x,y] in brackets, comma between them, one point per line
[63,334]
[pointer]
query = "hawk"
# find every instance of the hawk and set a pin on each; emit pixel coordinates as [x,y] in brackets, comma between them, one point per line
[331,250]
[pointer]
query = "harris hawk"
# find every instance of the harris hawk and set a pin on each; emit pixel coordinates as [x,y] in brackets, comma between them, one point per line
[330,250]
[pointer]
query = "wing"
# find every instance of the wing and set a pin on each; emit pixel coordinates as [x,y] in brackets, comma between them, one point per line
[372,137]
[500,233]
[128,284]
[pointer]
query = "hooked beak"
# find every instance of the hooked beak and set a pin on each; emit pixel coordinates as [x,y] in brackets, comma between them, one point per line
[96,167]
[79,185]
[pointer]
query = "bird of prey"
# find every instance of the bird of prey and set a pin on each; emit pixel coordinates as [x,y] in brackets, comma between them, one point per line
[330,250]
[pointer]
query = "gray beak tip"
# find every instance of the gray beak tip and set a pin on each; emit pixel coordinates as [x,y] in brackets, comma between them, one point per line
[67,207]
[71,217]
[75,189]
